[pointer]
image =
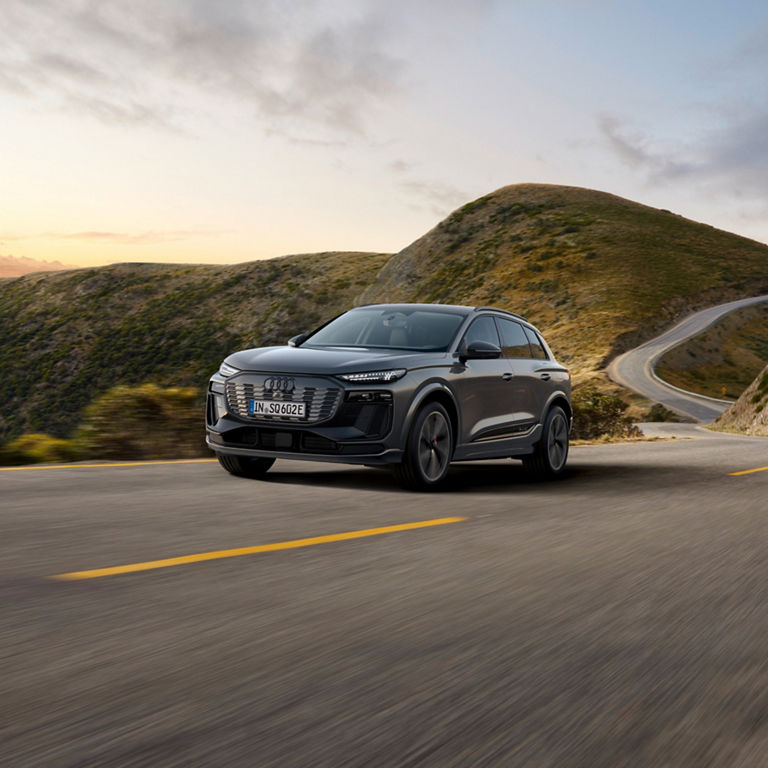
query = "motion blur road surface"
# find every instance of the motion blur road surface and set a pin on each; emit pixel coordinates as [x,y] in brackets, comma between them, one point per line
[618,617]
[634,369]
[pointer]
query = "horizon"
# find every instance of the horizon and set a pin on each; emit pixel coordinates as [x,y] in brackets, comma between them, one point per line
[11,261]
[198,134]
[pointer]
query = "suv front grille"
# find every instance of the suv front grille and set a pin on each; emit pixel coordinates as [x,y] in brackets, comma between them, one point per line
[321,400]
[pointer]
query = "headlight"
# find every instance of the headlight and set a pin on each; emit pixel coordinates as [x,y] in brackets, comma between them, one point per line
[374,377]
[225,369]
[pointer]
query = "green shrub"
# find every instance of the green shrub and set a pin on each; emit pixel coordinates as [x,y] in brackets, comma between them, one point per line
[597,414]
[145,422]
[659,412]
[36,448]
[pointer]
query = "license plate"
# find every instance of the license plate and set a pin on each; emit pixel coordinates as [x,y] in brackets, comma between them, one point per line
[276,408]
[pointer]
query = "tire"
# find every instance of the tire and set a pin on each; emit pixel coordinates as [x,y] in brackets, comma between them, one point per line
[428,450]
[245,466]
[548,460]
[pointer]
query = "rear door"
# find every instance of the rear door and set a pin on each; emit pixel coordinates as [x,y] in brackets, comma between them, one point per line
[548,374]
[525,385]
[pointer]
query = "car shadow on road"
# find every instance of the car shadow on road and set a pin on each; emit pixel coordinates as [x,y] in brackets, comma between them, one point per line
[503,477]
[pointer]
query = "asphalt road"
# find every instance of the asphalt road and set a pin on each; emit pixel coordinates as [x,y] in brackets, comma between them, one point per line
[615,618]
[634,369]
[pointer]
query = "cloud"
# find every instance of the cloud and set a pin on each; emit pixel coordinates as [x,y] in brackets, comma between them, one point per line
[138,61]
[727,147]
[400,166]
[67,67]
[632,147]
[734,154]
[136,238]
[129,112]
[435,196]
[438,197]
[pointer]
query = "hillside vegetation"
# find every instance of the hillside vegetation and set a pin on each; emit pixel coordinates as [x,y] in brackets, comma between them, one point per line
[595,272]
[598,273]
[727,356]
[70,336]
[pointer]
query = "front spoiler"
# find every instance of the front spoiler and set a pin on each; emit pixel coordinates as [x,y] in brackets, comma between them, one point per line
[389,456]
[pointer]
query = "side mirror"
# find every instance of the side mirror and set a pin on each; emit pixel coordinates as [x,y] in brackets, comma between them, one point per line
[297,340]
[480,350]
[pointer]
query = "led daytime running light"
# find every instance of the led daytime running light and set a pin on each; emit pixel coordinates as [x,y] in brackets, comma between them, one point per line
[374,377]
[225,369]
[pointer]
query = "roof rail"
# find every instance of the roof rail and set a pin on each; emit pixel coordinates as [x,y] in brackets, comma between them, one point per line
[503,311]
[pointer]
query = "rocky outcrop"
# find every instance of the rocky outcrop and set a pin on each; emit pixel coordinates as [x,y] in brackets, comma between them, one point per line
[749,414]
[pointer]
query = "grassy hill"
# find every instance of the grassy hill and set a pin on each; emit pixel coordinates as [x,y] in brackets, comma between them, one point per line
[69,336]
[596,272]
[729,354]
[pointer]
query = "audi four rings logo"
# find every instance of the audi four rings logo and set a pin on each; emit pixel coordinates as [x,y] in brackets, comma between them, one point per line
[279,384]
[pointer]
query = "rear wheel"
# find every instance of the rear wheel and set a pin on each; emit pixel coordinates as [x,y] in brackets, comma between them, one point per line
[245,466]
[548,460]
[428,450]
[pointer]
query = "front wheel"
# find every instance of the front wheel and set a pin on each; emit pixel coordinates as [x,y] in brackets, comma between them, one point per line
[548,460]
[428,450]
[245,466]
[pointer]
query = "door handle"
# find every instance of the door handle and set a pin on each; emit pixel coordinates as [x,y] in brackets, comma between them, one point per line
[545,376]
[507,376]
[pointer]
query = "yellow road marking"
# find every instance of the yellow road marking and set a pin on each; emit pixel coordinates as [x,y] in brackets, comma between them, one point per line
[224,553]
[748,471]
[103,466]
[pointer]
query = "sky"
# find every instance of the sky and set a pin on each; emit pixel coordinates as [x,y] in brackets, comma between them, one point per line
[232,130]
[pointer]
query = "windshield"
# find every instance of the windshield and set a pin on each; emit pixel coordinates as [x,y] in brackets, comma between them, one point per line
[412,329]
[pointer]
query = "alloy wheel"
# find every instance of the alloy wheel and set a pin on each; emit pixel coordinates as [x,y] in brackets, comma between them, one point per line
[557,442]
[434,445]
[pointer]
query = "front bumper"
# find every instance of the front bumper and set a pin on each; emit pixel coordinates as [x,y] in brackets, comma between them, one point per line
[354,431]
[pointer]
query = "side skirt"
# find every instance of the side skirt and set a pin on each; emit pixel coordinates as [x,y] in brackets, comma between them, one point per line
[499,447]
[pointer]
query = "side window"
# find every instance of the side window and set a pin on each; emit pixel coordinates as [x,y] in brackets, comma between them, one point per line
[482,329]
[514,342]
[536,346]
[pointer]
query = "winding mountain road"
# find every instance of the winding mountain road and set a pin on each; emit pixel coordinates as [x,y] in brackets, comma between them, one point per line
[634,369]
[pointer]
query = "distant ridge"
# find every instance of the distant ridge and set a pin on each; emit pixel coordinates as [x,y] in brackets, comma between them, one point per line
[16,266]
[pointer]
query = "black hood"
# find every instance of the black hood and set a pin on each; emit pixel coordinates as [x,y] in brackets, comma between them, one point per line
[328,360]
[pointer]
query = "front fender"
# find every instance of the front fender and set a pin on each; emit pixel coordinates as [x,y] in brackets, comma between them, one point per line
[425,391]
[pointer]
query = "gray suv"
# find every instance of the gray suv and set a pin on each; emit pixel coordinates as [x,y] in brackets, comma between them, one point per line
[411,386]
